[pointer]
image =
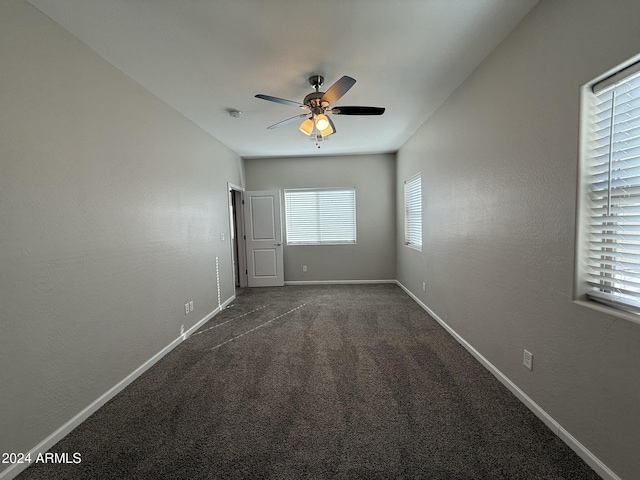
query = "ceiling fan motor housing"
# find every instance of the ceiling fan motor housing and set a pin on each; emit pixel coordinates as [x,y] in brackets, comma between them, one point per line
[313,100]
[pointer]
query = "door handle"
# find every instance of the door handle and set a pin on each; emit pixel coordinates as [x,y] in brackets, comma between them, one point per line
[278,244]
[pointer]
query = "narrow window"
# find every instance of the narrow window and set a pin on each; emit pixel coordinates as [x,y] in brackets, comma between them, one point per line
[610,145]
[320,216]
[413,212]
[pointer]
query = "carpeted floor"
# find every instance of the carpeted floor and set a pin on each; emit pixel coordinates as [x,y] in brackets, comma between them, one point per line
[314,382]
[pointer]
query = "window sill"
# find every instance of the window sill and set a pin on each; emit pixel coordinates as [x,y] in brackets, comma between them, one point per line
[413,247]
[302,244]
[608,310]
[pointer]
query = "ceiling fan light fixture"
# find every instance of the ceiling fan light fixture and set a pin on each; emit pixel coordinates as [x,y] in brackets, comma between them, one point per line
[327,131]
[307,127]
[322,122]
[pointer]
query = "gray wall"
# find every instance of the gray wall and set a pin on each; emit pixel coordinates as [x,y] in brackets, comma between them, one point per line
[111,209]
[112,204]
[373,257]
[499,168]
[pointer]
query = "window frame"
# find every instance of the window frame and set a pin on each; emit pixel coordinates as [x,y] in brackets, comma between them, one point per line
[324,190]
[409,213]
[586,291]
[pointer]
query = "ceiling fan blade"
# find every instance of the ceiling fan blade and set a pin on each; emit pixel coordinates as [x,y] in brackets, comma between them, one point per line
[357,110]
[283,101]
[287,121]
[338,89]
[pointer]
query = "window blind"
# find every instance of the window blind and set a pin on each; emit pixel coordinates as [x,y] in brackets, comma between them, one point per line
[413,211]
[320,216]
[614,172]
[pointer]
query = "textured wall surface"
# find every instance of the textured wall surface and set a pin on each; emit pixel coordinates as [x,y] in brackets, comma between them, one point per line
[112,205]
[111,209]
[373,256]
[499,168]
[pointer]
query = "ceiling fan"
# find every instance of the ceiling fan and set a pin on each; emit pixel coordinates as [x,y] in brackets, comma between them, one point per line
[317,105]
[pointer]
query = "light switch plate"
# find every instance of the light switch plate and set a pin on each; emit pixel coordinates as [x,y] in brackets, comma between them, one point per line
[528,359]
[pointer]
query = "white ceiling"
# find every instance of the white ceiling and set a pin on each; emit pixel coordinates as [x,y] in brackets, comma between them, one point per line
[204,57]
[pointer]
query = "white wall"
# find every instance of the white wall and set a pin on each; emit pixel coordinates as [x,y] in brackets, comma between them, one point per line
[499,167]
[111,209]
[373,256]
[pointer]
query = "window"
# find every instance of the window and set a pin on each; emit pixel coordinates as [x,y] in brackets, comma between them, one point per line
[320,216]
[413,212]
[610,249]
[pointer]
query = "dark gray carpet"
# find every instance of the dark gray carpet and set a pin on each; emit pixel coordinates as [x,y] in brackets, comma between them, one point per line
[313,382]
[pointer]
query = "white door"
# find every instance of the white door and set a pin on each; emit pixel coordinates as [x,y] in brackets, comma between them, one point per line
[263,228]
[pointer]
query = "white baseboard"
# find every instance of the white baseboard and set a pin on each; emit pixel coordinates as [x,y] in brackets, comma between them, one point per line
[588,457]
[65,429]
[335,282]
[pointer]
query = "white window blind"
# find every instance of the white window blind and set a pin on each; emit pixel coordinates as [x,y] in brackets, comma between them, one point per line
[320,216]
[613,166]
[413,212]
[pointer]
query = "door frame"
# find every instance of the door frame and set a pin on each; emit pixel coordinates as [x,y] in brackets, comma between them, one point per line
[237,236]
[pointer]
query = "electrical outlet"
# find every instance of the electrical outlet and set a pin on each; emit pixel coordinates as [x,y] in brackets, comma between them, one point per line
[191,306]
[424,287]
[528,359]
[304,268]
[186,308]
[222,237]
